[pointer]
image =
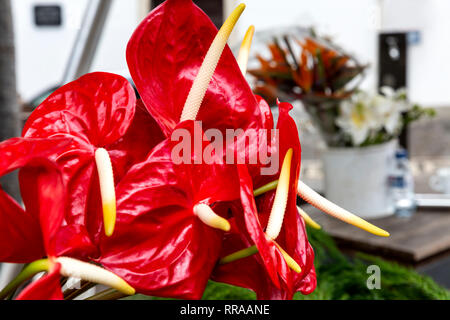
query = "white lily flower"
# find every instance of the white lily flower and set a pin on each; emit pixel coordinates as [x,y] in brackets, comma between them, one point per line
[356,118]
[398,96]
[387,113]
[365,115]
[388,92]
[389,107]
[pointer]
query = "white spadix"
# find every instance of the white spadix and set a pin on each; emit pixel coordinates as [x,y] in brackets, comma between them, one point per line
[334,210]
[201,82]
[289,260]
[210,218]
[281,197]
[279,208]
[93,273]
[308,220]
[244,51]
[108,194]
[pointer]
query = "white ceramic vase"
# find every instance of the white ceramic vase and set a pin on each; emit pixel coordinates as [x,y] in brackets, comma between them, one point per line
[356,178]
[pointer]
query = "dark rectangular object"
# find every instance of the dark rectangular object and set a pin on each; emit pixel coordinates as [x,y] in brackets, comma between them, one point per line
[213,8]
[392,62]
[47,15]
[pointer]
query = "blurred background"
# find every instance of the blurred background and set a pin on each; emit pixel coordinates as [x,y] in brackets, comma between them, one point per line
[369,81]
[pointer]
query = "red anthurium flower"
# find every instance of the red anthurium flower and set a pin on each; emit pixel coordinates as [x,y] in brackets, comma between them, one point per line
[164,57]
[34,233]
[97,112]
[177,35]
[142,135]
[268,272]
[167,238]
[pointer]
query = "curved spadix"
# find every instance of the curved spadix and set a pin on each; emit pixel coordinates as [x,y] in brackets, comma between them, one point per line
[210,218]
[107,190]
[201,82]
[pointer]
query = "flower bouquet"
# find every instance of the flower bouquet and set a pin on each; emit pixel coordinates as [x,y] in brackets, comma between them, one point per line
[313,70]
[142,195]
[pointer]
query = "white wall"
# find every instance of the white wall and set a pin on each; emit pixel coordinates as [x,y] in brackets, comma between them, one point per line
[42,53]
[429,60]
[352,23]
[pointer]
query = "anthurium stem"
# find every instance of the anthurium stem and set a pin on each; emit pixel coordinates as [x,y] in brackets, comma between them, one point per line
[241,254]
[72,294]
[27,273]
[109,294]
[266,188]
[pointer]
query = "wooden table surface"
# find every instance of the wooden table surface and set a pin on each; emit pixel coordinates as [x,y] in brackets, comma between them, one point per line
[413,240]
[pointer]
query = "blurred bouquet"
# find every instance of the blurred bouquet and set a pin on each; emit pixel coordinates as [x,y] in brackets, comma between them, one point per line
[306,69]
[326,80]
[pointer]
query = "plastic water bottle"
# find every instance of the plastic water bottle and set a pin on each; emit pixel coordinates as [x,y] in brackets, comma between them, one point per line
[401,185]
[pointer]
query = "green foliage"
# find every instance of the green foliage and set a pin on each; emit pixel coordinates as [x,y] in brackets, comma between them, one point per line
[416,113]
[342,278]
[221,291]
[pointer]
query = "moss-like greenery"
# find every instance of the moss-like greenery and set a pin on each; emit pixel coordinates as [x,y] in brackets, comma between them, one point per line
[343,278]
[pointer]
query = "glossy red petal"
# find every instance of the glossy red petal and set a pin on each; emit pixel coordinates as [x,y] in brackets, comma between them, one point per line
[18,152]
[142,136]
[20,233]
[164,56]
[46,288]
[206,175]
[266,113]
[22,230]
[74,241]
[97,108]
[44,195]
[266,147]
